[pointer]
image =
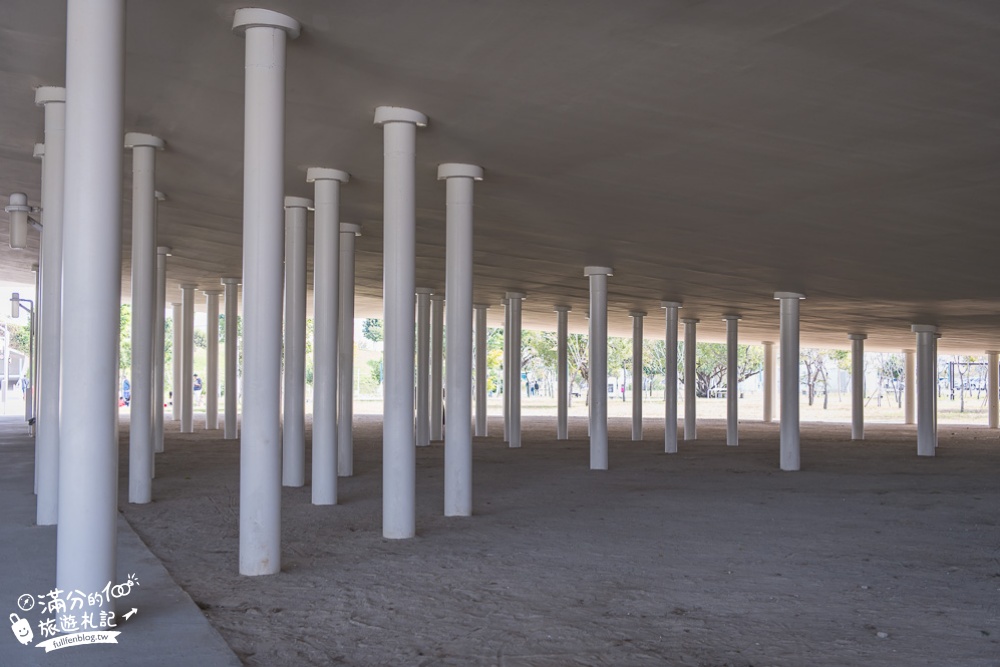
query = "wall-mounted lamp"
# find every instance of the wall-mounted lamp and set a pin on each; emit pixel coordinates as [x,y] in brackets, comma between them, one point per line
[18,211]
[17,303]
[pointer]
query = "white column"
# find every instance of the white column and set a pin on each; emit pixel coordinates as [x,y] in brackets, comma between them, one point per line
[562,372]
[458,291]
[293,440]
[857,385]
[481,374]
[211,384]
[423,429]
[909,388]
[926,388]
[345,346]
[598,365]
[690,367]
[732,380]
[768,380]
[506,369]
[231,287]
[636,316]
[515,299]
[159,344]
[50,309]
[177,314]
[187,358]
[789,311]
[437,367]
[326,330]
[263,241]
[140,466]
[670,377]
[992,388]
[399,256]
[86,536]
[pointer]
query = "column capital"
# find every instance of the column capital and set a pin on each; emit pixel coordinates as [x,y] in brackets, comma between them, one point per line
[481,306]
[690,320]
[907,350]
[298,202]
[459,170]
[437,296]
[671,304]
[424,290]
[46,94]
[187,286]
[252,17]
[767,342]
[350,228]
[562,309]
[212,290]
[387,114]
[637,313]
[857,336]
[992,351]
[159,196]
[731,317]
[231,280]
[923,328]
[314,174]
[39,151]
[598,271]
[512,296]
[137,139]
[163,250]
[789,295]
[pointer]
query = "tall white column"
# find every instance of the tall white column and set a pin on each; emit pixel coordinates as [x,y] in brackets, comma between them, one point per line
[732,380]
[326,330]
[399,257]
[690,368]
[458,291]
[86,536]
[231,285]
[506,369]
[177,314]
[293,441]
[437,367]
[909,388]
[481,375]
[515,299]
[562,372]
[636,316]
[50,308]
[598,276]
[263,241]
[926,388]
[992,388]
[345,347]
[140,466]
[670,377]
[187,358]
[789,312]
[768,381]
[159,344]
[211,385]
[423,432]
[857,385]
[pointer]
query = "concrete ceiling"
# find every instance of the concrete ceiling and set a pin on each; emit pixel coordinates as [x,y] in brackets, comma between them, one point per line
[711,152]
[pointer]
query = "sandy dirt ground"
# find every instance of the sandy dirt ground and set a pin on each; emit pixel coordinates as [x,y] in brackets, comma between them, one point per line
[710,557]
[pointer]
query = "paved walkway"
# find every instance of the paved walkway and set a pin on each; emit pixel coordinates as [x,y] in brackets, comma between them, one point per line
[168,629]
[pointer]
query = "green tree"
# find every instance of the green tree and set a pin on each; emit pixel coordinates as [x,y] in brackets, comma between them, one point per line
[372,329]
[125,338]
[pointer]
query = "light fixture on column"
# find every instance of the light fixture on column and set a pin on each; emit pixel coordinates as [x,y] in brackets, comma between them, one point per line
[19,211]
